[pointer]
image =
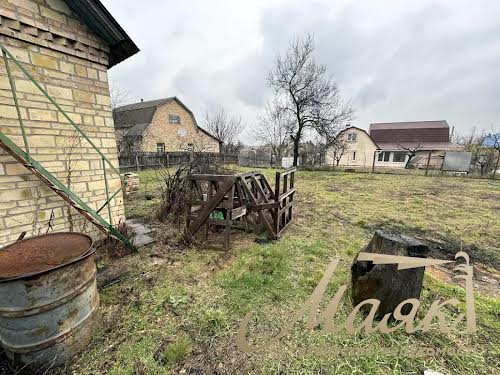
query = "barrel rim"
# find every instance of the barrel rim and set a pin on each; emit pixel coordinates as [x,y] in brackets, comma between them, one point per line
[90,251]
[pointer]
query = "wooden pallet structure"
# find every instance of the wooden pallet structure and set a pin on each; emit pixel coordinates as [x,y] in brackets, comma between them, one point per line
[219,200]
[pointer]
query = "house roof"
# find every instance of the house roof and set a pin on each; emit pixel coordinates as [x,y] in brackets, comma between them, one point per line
[103,24]
[136,130]
[138,116]
[409,125]
[425,133]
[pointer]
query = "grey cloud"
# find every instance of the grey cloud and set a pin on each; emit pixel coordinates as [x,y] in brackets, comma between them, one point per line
[396,60]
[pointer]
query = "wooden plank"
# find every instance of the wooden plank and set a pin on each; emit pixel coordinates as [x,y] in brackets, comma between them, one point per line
[260,190]
[284,208]
[254,203]
[292,187]
[266,206]
[212,204]
[241,194]
[288,171]
[283,229]
[283,202]
[212,177]
[229,213]
[276,216]
[238,212]
[285,195]
[270,192]
[246,174]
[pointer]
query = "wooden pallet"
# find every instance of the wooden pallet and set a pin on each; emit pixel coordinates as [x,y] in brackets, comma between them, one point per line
[234,196]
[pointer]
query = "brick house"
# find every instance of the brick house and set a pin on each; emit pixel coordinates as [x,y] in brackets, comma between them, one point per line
[67,46]
[392,143]
[163,125]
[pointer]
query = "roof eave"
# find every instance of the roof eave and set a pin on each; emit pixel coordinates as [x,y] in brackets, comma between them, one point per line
[103,24]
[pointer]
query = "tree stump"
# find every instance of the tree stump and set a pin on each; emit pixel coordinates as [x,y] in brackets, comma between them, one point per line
[384,281]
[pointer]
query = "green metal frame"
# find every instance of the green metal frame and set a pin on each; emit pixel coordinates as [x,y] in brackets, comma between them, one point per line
[34,164]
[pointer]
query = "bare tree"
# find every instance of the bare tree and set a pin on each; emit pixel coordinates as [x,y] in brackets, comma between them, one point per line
[493,140]
[482,157]
[411,151]
[225,128]
[125,144]
[303,90]
[118,95]
[339,146]
[272,130]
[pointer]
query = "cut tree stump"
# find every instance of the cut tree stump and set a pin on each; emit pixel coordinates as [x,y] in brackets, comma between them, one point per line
[384,281]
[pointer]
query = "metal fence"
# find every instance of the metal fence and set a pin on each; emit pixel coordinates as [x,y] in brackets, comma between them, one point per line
[473,173]
[258,161]
[151,160]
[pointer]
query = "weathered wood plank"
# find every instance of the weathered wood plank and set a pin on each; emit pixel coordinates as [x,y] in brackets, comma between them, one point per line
[212,204]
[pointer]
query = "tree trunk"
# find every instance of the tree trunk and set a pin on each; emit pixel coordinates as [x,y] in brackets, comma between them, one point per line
[296,143]
[384,281]
[409,159]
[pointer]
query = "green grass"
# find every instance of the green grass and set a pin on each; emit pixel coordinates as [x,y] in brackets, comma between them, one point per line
[181,310]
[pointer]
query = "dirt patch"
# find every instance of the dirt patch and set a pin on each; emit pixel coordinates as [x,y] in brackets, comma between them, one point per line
[221,358]
[42,253]
[486,280]
[490,197]
[486,276]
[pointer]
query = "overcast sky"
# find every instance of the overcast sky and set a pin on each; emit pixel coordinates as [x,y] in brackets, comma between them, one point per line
[395,60]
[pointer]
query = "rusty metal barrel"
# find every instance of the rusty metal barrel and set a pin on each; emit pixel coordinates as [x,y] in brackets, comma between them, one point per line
[48,298]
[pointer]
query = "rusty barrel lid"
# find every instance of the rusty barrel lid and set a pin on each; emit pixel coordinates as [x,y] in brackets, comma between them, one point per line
[40,254]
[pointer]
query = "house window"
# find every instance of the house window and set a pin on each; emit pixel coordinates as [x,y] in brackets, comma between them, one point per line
[399,157]
[384,156]
[354,156]
[352,137]
[174,119]
[190,147]
[160,148]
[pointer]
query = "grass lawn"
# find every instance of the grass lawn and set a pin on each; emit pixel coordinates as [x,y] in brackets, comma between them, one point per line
[178,309]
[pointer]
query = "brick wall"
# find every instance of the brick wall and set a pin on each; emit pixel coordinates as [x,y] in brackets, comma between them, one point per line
[70,63]
[162,131]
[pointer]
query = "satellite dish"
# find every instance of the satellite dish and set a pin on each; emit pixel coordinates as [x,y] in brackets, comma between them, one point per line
[181,132]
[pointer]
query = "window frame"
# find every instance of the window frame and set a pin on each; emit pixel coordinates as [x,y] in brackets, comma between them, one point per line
[399,153]
[352,137]
[384,157]
[174,119]
[160,148]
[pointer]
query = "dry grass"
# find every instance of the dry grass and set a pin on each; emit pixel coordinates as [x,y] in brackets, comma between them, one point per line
[179,308]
